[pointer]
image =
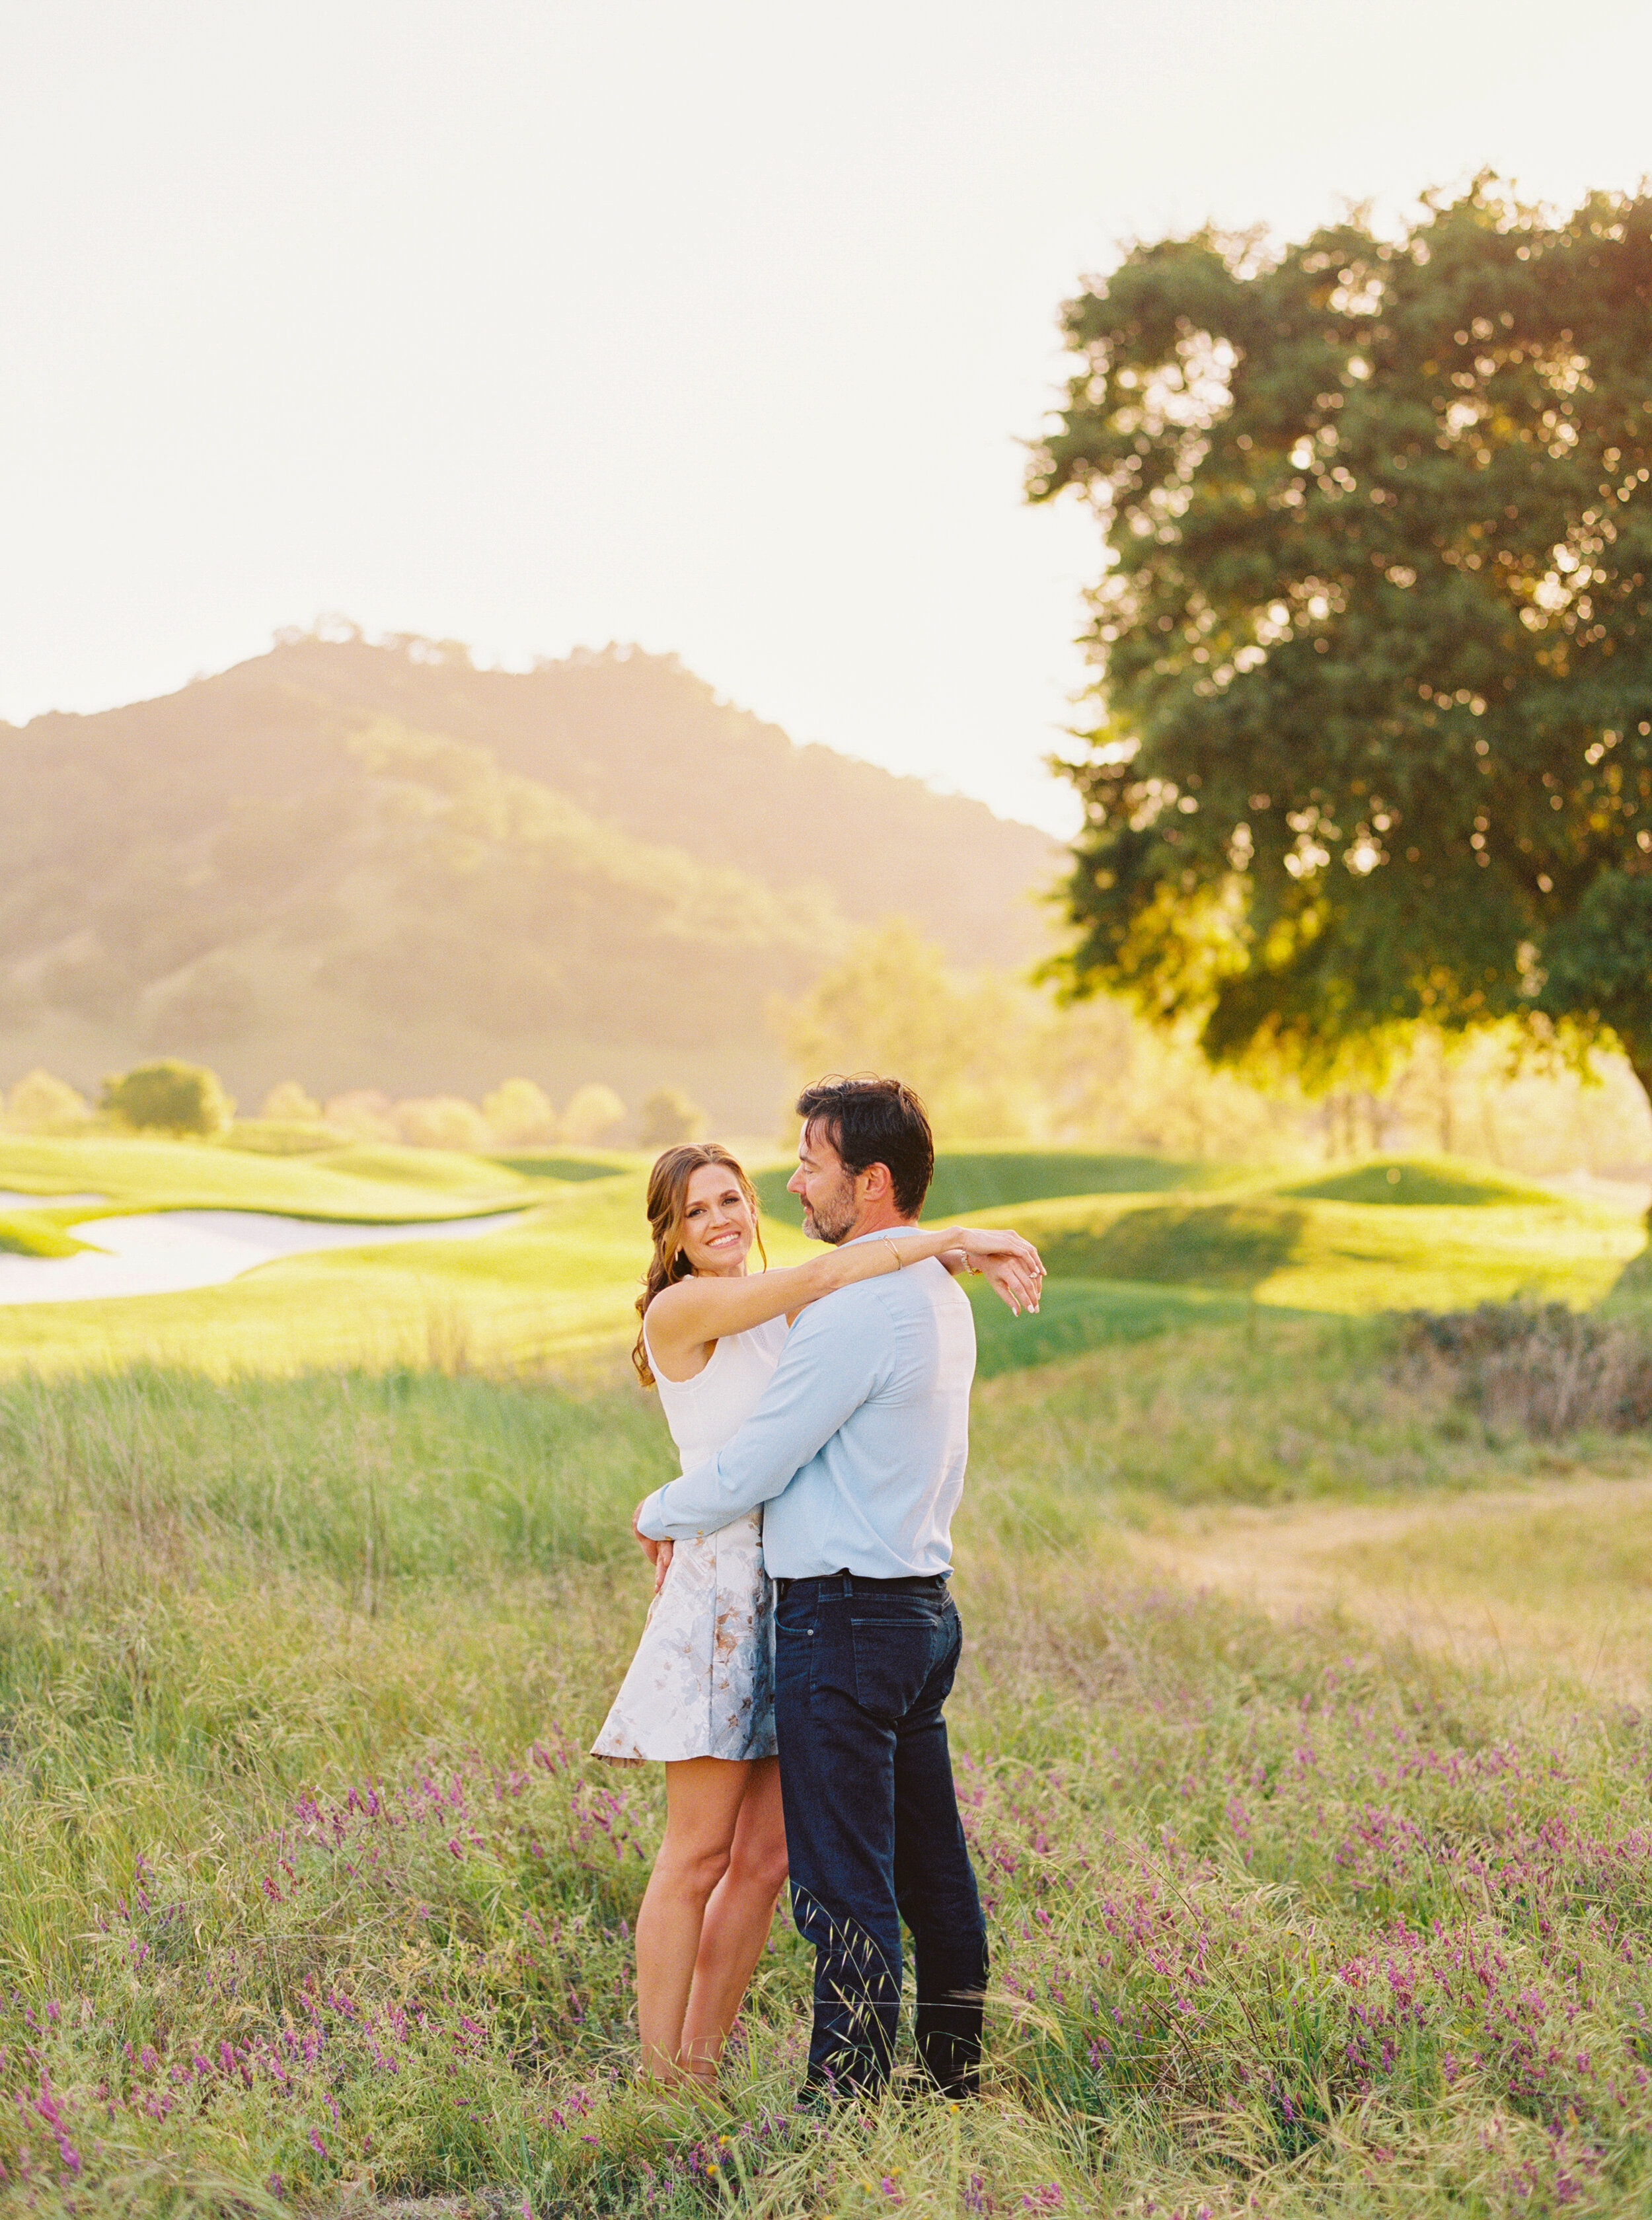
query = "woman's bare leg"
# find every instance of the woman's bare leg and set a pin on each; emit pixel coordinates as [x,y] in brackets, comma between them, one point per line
[703,1797]
[737,1922]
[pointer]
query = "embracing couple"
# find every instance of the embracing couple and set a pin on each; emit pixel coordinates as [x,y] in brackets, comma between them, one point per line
[801,1640]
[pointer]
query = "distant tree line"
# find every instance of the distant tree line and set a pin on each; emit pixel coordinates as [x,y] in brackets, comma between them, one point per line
[997,1060]
[994,1057]
[169,1096]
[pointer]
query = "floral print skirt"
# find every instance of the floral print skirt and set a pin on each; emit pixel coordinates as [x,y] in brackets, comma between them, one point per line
[703,1682]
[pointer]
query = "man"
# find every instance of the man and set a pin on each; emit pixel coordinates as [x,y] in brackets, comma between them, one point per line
[857,1450]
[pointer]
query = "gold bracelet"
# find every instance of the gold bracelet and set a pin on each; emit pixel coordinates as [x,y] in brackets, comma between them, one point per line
[894,1252]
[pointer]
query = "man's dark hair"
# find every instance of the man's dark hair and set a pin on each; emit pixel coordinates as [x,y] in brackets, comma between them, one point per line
[877,1121]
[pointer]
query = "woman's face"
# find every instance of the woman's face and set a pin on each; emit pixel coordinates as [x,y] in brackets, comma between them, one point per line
[718,1227]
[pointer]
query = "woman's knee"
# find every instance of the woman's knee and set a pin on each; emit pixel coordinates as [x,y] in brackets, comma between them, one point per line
[691,1869]
[760,1866]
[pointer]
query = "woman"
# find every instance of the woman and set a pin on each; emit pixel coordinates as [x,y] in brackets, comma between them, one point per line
[698,1695]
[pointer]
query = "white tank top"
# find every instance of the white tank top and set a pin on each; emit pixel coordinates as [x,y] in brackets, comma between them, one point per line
[705,1412]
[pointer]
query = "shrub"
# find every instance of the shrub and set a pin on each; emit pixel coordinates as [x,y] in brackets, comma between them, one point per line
[520,1114]
[593,1111]
[667,1116]
[1550,1370]
[290,1105]
[363,1114]
[38,1102]
[441,1121]
[170,1097]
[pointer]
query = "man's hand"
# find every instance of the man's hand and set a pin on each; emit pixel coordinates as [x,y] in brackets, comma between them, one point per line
[659,1554]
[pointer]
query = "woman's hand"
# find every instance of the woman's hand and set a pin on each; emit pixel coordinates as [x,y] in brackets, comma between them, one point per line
[1011,1266]
[982,1241]
[659,1554]
[1013,1282]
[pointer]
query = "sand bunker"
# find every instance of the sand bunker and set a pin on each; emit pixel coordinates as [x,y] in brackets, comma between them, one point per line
[162,1251]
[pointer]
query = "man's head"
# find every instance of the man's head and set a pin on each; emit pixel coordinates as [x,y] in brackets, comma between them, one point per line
[865,1158]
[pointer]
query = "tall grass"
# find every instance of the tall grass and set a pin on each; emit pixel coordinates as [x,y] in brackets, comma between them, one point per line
[359,1478]
[308,1893]
[1271,1408]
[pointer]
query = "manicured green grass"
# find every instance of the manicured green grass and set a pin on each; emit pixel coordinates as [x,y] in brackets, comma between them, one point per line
[24,1234]
[427,1172]
[561,1284]
[995,1177]
[572,1164]
[282,1137]
[967,1181]
[1419,1180]
[309,1897]
[559,1279]
[1077,1315]
[379,1185]
[1284,1248]
[563,1276]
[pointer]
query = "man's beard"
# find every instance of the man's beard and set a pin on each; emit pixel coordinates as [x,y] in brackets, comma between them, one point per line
[831,1222]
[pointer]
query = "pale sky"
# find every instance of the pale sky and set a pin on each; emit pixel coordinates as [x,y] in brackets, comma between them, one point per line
[715,326]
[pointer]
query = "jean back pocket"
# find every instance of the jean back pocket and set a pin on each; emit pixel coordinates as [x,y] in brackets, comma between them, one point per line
[894,1657]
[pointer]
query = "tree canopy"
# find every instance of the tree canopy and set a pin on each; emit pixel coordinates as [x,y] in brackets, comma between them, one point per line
[170,1096]
[668,1116]
[1374,630]
[890,1005]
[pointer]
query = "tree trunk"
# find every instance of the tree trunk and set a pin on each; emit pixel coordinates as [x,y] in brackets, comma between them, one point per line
[1639,1054]
[1642,1067]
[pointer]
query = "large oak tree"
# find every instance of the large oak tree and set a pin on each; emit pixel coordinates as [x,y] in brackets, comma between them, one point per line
[1373,631]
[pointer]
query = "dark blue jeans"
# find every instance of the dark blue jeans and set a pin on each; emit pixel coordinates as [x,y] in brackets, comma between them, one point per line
[872,1829]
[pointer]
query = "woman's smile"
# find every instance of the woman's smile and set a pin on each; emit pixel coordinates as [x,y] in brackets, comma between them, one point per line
[718,1225]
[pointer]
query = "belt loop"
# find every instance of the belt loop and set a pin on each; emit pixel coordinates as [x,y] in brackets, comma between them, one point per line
[848,1584]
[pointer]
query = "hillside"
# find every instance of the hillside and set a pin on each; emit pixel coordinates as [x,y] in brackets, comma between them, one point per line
[366,865]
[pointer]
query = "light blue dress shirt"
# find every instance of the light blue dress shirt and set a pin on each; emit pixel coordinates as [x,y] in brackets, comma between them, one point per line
[857,1448]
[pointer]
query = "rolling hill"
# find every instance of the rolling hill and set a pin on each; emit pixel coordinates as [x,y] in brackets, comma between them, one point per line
[366,864]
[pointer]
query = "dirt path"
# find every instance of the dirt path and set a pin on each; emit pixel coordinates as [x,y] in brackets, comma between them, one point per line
[1411,1570]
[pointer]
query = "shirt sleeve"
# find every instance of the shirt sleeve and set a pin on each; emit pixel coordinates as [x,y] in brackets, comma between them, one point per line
[835,1356]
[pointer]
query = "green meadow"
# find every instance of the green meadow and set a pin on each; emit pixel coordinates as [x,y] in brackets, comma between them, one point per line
[1303,1901]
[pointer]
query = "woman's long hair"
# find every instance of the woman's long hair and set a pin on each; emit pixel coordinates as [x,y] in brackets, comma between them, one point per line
[668,1196]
